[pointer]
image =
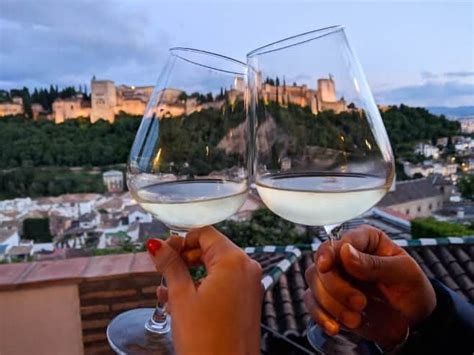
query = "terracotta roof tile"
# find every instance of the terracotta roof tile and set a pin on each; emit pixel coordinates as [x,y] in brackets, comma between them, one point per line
[409,191]
[284,310]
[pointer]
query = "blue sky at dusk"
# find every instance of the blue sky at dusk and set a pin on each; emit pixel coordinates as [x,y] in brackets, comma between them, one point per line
[416,52]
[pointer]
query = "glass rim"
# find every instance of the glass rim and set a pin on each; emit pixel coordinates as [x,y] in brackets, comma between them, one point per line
[295,40]
[179,52]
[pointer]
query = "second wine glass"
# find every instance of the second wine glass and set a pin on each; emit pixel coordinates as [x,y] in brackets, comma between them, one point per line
[187,166]
[322,155]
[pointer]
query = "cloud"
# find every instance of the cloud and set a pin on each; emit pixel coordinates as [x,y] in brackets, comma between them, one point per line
[459,74]
[50,42]
[427,75]
[430,93]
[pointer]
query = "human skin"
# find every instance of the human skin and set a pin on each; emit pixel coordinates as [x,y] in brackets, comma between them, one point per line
[220,314]
[367,256]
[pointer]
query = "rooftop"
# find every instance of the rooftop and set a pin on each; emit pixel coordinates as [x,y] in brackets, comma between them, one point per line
[20,250]
[410,190]
[5,234]
[95,289]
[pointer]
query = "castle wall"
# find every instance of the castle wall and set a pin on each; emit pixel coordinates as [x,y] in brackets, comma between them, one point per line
[10,108]
[68,109]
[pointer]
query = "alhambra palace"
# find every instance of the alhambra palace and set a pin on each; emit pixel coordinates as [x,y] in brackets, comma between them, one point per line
[108,100]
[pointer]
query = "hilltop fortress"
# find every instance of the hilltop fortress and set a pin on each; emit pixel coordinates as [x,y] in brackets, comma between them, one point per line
[107,100]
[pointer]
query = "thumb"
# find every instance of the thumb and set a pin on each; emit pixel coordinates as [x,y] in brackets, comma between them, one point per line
[367,267]
[168,263]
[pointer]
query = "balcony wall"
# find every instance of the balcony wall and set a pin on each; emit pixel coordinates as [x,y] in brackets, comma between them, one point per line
[64,307]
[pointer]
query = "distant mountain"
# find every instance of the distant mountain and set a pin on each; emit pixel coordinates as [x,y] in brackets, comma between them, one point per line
[460,111]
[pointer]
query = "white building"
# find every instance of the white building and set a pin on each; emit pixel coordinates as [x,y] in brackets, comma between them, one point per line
[135,213]
[89,220]
[17,204]
[411,169]
[9,238]
[113,180]
[465,145]
[39,247]
[445,169]
[71,205]
[427,150]
[467,124]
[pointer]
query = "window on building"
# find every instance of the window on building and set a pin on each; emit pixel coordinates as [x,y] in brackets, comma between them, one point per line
[430,206]
[419,209]
[407,211]
[72,107]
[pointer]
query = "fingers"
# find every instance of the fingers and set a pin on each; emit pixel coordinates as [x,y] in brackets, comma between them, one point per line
[214,246]
[325,257]
[369,240]
[375,268]
[343,291]
[324,320]
[192,257]
[333,305]
[171,265]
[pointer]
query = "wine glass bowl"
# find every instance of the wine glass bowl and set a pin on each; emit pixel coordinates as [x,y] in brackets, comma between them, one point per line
[188,164]
[322,155]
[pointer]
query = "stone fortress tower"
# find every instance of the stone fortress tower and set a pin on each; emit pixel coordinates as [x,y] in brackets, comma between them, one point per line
[327,90]
[103,100]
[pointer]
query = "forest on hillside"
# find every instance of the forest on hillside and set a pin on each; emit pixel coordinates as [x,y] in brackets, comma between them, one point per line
[26,145]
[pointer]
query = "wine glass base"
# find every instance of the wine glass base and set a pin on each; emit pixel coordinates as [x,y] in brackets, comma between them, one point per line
[127,335]
[343,343]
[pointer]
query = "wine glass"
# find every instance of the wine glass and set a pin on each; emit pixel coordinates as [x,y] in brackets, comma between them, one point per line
[187,167]
[322,155]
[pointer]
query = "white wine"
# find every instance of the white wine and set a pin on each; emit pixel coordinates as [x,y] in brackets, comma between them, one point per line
[190,204]
[320,199]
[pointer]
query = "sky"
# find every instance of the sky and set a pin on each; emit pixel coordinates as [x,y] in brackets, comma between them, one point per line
[416,52]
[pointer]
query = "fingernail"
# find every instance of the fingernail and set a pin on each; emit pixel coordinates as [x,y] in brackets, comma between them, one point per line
[354,254]
[357,302]
[153,245]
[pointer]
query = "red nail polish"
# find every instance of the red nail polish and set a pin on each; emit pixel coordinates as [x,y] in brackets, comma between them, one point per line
[153,245]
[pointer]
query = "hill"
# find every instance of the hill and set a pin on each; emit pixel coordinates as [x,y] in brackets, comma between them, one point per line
[452,112]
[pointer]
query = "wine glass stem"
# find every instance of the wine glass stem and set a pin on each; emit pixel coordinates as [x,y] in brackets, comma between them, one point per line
[159,321]
[334,233]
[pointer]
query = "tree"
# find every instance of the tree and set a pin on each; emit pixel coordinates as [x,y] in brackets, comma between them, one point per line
[431,228]
[466,186]
[264,228]
[37,229]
